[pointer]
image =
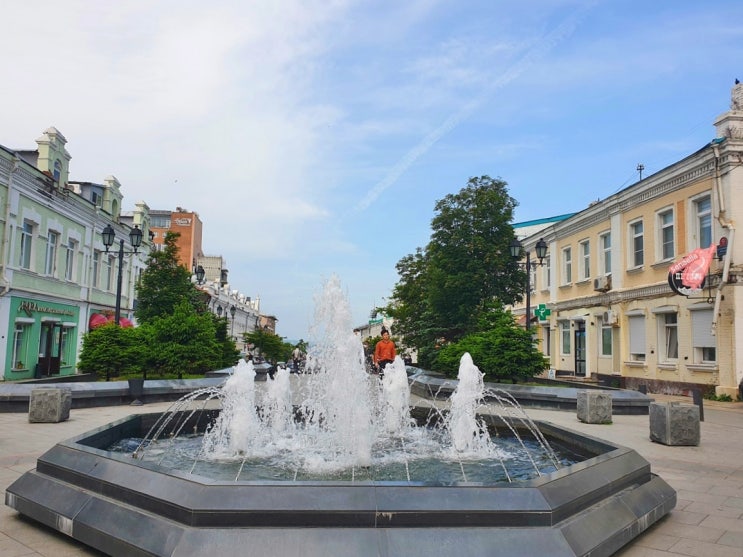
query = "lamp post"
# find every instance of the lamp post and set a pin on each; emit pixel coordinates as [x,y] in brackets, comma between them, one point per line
[200,273]
[233,310]
[541,250]
[135,238]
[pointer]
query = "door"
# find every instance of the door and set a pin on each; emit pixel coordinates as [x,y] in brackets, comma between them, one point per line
[580,348]
[49,349]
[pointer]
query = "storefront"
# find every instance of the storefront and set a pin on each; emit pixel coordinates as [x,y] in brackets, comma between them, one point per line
[43,339]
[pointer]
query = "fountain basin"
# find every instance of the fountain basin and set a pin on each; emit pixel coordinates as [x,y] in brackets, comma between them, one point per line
[123,506]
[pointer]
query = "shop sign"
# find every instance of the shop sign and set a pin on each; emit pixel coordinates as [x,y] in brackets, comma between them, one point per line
[687,276]
[30,307]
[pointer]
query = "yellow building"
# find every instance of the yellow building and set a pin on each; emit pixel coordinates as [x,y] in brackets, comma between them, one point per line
[605,303]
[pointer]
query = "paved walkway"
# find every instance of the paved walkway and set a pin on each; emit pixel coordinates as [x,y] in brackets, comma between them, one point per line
[707,522]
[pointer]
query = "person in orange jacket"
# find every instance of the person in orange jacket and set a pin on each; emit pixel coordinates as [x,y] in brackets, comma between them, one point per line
[384,351]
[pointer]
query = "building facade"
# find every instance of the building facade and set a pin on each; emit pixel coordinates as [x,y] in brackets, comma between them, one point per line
[187,225]
[609,300]
[56,276]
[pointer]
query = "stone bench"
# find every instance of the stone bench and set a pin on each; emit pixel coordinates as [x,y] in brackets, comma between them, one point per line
[672,423]
[594,407]
[49,405]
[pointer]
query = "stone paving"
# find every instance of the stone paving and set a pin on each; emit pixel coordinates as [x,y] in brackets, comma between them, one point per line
[708,519]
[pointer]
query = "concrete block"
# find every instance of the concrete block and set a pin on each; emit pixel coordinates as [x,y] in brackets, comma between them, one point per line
[672,423]
[594,407]
[49,405]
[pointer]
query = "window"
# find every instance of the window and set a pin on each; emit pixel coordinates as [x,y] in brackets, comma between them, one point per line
[95,198]
[637,338]
[585,260]
[606,339]
[69,264]
[665,228]
[27,234]
[160,221]
[702,340]
[50,263]
[605,243]
[547,341]
[565,337]
[21,334]
[67,346]
[96,267]
[637,257]
[668,339]
[107,281]
[703,209]
[567,266]
[547,272]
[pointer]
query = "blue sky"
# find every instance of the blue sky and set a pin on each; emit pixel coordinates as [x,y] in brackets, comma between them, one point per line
[314,137]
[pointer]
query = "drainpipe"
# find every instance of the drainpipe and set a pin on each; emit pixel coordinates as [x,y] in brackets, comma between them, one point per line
[6,229]
[725,223]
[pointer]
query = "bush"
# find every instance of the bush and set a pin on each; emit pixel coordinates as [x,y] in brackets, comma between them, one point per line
[504,352]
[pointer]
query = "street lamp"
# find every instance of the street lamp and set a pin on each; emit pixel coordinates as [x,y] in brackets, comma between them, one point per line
[233,309]
[135,238]
[200,273]
[541,250]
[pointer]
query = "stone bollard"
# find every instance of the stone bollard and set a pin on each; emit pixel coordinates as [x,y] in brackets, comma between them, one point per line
[49,405]
[594,407]
[672,423]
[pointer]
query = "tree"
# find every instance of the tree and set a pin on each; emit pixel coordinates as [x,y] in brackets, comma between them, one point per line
[270,345]
[502,349]
[181,342]
[228,354]
[469,261]
[109,350]
[466,265]
[165,283]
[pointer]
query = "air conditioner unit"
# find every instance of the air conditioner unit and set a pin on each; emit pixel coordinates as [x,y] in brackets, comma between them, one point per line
[602,284]
[610,317]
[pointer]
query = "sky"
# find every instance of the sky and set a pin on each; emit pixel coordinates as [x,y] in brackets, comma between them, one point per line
[314,137]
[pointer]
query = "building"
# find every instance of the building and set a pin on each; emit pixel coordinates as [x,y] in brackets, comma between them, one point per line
[614,300]
[56,275]
[187,225]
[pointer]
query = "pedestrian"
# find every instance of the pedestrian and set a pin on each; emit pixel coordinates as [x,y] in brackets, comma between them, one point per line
[296,356]
[384,352]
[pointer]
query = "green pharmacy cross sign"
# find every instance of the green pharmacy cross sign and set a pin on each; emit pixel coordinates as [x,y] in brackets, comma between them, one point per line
[542,312]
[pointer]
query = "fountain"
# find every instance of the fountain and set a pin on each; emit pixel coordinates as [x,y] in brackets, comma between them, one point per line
[337,463]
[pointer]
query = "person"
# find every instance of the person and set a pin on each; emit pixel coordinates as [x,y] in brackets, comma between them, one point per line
[296,356]
[384,352]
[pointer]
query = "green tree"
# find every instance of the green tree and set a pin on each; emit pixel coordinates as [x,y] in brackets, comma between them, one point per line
[469,261]
[271,346]
[228,354]
[108,351]
[466,265]
[165,283]
[502,350]
[183,342]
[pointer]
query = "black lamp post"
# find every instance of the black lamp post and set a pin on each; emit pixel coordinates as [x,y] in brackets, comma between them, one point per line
[135,238]
[541,250]
[233,310]
[200,273]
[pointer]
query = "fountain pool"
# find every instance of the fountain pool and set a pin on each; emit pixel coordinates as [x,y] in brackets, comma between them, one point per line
[331,493]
